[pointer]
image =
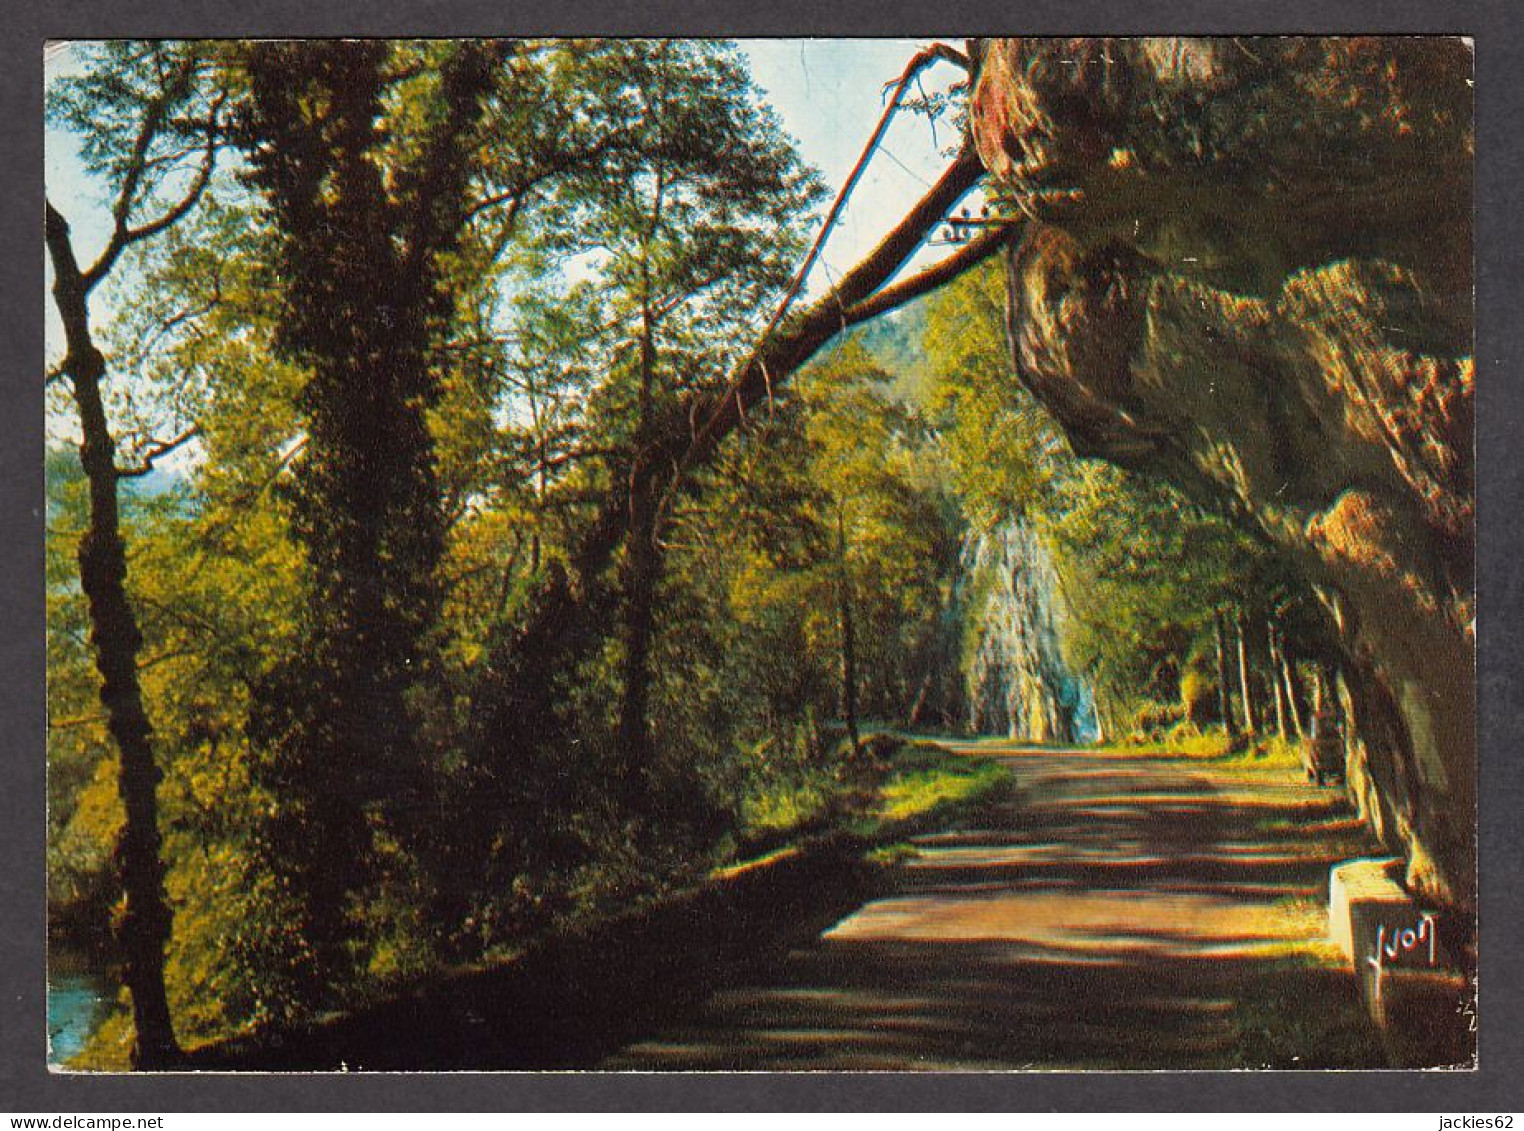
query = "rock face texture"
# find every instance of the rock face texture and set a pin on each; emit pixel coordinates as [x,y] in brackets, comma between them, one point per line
[1018,683]
[1248,267]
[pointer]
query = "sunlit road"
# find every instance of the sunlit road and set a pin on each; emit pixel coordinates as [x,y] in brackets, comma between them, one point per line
[1117,912]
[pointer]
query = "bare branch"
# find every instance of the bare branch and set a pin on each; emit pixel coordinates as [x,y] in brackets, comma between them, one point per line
[551,463]
[917,64]
[123,234]
[158,451]
[947,53]
[944,271]
[185,314]
[513,197]
[162,657]
[193,194]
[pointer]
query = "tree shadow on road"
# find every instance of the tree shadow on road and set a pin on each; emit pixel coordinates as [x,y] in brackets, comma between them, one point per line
[1117,913]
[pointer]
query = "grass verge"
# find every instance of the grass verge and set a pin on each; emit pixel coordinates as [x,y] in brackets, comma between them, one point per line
[899,788]
[1263,752]
[1274,1027]
[927,785]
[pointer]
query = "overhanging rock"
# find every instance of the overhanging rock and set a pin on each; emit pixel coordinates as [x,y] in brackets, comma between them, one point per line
[1246,268]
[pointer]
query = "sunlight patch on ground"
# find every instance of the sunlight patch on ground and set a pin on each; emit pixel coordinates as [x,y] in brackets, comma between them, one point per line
[1103,899]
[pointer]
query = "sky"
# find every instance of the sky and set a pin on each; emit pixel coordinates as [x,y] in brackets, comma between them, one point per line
[828,94]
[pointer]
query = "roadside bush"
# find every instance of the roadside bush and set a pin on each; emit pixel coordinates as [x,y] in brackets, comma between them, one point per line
[1198,698]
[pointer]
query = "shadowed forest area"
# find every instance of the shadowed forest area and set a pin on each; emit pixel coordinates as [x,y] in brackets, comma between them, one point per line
[504,590]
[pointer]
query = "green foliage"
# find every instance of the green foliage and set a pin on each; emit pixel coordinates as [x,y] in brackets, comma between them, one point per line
[783,808]
[1001,448]
[82,820]
[1144,571]
[124,85]
[840,450]
[905,787]
[1184,741]
[363,210]
[414,349]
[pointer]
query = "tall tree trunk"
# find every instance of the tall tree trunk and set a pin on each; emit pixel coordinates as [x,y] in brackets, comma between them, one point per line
[1224,687]
[1326,692]
[918,705]
[1278,692]
[642,566]
[363,235]
[1293,692]
[1280,672]
[542,474]
[848,634]
[514,701]
[1245,687]
[642,572]
[117,641]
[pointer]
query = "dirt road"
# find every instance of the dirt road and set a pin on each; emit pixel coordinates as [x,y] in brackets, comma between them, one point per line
[1116,912]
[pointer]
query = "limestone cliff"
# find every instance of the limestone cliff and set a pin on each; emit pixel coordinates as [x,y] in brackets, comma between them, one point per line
[1018,682]
[1247,267]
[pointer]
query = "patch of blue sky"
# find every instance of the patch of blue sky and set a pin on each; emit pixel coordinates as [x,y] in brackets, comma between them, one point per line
[827,93]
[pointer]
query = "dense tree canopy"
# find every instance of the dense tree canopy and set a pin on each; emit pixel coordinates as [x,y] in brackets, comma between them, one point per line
[474,562]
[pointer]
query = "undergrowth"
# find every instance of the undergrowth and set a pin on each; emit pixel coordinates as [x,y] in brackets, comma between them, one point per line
[898,787]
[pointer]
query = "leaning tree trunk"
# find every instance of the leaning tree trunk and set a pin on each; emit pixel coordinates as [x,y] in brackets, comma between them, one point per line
[117,641]
[1280,670]
[1224,689]
[514,698]
[1288,676]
